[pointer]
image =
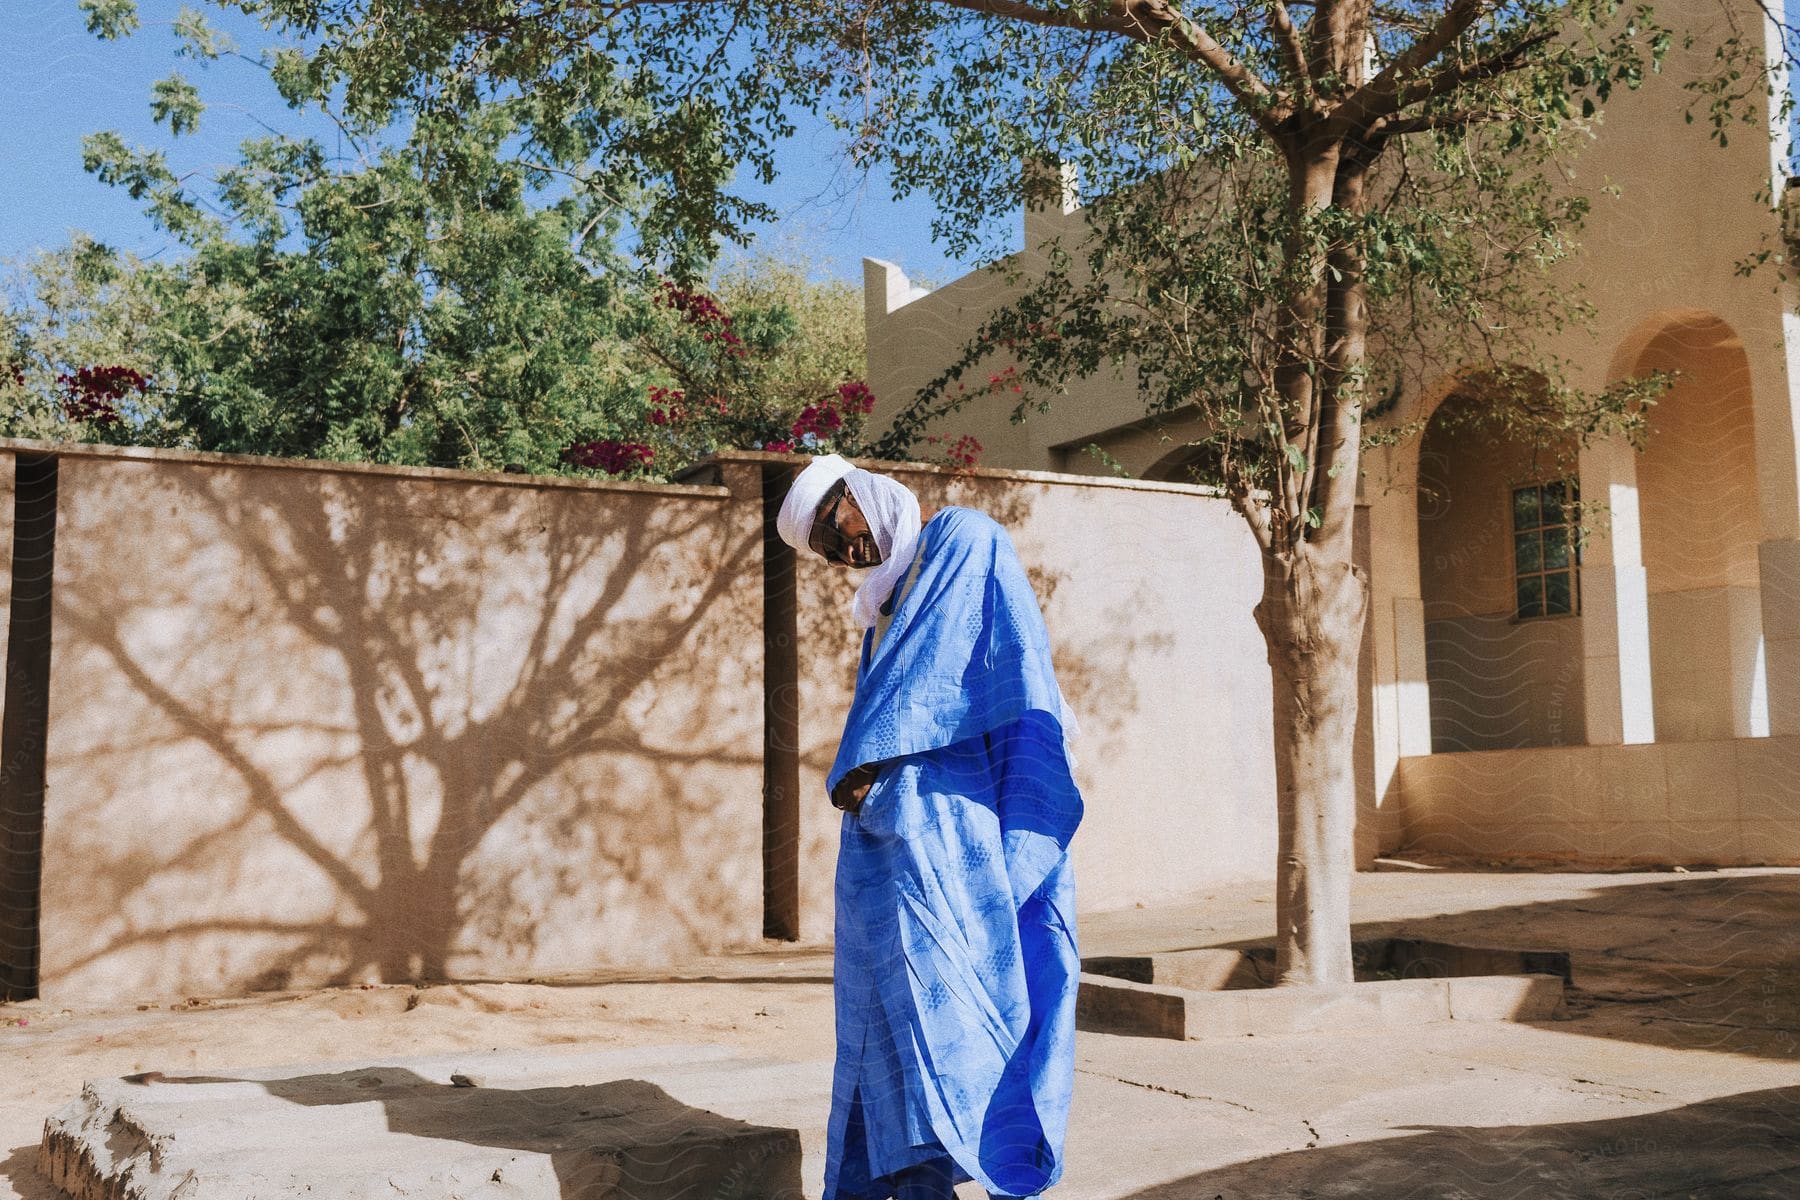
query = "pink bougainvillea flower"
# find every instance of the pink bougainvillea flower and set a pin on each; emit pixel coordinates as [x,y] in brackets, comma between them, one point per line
[94,392]
[613,457]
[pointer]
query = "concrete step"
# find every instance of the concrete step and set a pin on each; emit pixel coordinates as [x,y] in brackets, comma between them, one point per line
[1106,1004]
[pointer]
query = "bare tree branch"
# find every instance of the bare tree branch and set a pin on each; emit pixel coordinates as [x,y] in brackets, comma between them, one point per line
[1288,38]
[1381,96]
[1448,80]
[1145,21]
[1400,126]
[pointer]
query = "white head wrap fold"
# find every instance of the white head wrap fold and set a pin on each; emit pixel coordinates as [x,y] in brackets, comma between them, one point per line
[893,515]
[888,505]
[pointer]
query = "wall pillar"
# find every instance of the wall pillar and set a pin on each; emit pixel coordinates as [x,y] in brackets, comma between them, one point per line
[781,718]
[1778,570]
[1615,608]
[1413,684]
[1778,489]
[1400,697]
[24,728]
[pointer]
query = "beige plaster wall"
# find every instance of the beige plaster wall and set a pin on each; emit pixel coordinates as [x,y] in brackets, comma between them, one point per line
[314,724]
[914,334]
[1148,448]
[1497,683]
[1147,592]
[1697,474]
[1725,802]
[1663,251]
[1707,664]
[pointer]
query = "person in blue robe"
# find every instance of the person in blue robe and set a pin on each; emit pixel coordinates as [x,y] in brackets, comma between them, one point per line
[955,958]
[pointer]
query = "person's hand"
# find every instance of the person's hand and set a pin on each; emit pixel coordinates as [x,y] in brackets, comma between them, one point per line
[848,794]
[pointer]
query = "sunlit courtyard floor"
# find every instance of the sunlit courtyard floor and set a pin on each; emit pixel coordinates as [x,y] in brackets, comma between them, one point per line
[1675,1073]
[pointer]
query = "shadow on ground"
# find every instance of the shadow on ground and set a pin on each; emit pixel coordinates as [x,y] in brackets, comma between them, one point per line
[1699,961]
[19,1169]
[1742,1147]
[620,1137]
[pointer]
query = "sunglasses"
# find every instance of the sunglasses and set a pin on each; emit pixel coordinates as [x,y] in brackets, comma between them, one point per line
[826,539]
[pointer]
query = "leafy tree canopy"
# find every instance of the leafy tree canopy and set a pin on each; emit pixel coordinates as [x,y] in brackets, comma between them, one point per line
[442,295]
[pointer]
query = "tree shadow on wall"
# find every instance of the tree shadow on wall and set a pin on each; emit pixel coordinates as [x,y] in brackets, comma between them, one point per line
[386,723]
[1105,698]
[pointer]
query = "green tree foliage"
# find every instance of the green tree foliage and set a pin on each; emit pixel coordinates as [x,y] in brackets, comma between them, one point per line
[369,310]
[81,306]
[450,297]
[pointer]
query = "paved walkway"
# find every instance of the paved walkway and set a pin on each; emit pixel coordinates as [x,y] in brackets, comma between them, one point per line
[1676,1074]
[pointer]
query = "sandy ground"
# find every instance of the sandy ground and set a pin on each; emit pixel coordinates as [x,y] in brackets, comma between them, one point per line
[784,1008]
[1675,1073]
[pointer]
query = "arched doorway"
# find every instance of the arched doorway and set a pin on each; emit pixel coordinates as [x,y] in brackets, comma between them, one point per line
[1700,524]
[1500,584]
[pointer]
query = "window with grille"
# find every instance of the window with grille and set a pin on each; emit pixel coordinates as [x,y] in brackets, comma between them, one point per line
[1546,554]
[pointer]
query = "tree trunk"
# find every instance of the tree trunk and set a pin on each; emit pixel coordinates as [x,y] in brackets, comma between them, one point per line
[1311,616]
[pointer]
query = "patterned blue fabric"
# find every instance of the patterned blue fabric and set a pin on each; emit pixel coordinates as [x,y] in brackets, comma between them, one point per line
[956,962]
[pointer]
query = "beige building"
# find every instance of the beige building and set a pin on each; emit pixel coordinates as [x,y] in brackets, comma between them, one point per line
[1639,700]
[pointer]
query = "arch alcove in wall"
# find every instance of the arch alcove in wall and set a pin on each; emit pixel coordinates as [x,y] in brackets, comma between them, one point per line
[1700,524]
[1500,591]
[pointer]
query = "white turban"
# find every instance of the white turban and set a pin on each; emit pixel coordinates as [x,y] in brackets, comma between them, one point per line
[888,505]
[795,520]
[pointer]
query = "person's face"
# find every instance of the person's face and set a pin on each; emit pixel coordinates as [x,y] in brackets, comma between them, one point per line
[840,532]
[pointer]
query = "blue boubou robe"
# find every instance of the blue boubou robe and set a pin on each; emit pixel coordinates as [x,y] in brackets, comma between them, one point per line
[956,963]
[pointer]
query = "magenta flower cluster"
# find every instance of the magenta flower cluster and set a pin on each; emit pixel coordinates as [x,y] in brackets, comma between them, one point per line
[613,457]
[710,420]
[666,407]
[705,314]
[93,393]
[826,417]
[964,452]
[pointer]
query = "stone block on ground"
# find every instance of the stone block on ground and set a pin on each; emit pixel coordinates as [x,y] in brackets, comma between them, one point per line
[1104,1004]
[1199,970]
[1505,997]
[404,1128]
[1413,958]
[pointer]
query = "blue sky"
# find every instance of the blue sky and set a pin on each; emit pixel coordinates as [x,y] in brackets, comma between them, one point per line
[62,83]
